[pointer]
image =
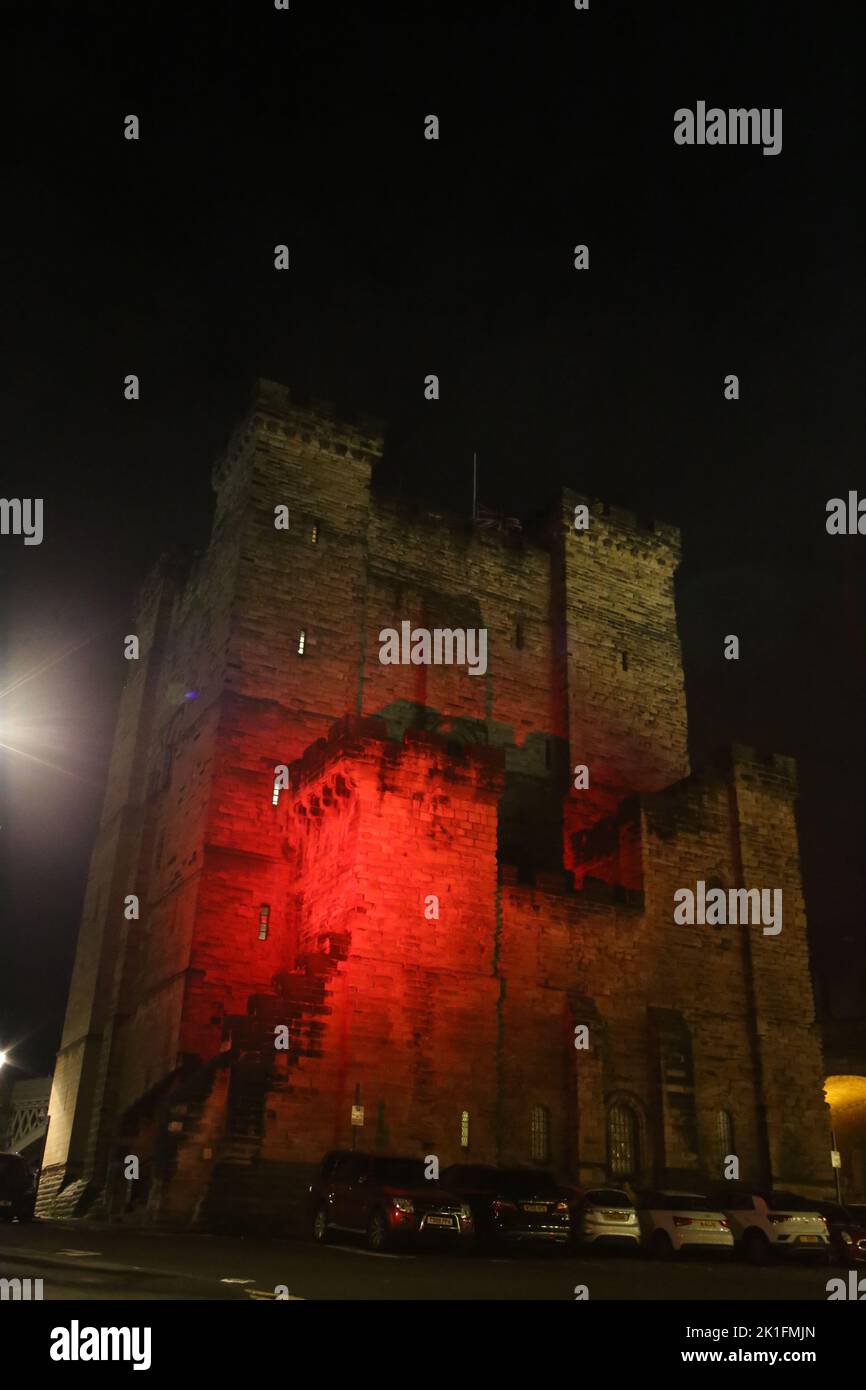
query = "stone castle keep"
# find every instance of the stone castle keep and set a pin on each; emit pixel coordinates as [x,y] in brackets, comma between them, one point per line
[309,906]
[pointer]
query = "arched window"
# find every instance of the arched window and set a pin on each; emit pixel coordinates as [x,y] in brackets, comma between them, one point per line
[724,1136]
[623,1148]
[539,1134]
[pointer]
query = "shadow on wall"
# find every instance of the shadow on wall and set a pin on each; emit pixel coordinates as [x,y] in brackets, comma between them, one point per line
[536,779]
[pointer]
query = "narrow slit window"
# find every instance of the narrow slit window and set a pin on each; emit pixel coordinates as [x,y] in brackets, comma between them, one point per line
[314,533]
[625,661]
[519,636]
[724,1137]
[464,1129]
[539,1134]
[264,921]
[302,641]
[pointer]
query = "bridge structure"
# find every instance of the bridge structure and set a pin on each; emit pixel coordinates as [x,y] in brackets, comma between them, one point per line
[24,1116]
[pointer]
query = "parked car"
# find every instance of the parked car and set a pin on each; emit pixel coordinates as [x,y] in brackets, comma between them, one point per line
[605,1216]
[767,1224]
[673,1223]
[17,1188]
[512,1206]
[847,1232]
[327,1166]
[388,1199]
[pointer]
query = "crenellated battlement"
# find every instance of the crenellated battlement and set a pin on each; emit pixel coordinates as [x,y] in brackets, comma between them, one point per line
[472,858]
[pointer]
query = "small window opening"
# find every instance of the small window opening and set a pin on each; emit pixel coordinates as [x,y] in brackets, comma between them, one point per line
[264,920]
[625,661]
[539,1134]
[464,1129]
[302,641]
[314,534]
[519,636]
[724,1137]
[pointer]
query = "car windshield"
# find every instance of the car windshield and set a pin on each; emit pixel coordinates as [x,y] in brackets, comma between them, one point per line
[789,1201]
[330,1161]
[400,1172]
[608,1197]
[678,1201]
[517,1183]
[834,1212]
[470,1177]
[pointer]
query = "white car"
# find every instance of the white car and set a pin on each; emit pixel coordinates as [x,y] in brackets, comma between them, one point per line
[775,1223]
[674,1222]
[605,1216]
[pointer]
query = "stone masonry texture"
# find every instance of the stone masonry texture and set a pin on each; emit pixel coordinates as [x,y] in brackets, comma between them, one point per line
[455,1029]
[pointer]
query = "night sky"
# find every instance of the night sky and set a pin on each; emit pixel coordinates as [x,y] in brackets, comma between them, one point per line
[454,257]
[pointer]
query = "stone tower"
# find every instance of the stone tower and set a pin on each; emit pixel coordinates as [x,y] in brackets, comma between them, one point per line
[309,906]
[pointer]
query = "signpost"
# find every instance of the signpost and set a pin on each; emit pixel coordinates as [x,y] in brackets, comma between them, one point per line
[836,1160]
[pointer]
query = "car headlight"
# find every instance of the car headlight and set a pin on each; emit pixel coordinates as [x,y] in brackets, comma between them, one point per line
[404,1204]
[466,1212]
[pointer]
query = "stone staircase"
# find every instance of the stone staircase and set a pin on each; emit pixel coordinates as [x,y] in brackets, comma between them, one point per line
[207,1167]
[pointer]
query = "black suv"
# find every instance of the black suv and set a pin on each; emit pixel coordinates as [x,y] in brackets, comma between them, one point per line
[512,1206]
[389,1200]
[17,1188]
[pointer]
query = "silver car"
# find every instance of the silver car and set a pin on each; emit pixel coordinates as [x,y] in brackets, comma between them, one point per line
[605,1217]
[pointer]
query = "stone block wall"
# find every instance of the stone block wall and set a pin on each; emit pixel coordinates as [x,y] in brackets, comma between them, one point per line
[408,783]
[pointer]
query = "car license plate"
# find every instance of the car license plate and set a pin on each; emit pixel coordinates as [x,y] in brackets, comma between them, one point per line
[708,1225]
[809,1240]
[535,1206]
[5,1204]
[440,1221]
[615,1216]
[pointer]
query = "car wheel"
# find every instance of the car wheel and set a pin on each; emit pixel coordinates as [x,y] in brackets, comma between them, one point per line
[661,1247]
[756,1247]
[321,1234]
[377,1232]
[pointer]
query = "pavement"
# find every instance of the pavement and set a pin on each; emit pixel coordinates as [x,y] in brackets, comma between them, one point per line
[87,1261]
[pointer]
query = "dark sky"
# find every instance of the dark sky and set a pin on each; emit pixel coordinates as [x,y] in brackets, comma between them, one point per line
[410,257]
